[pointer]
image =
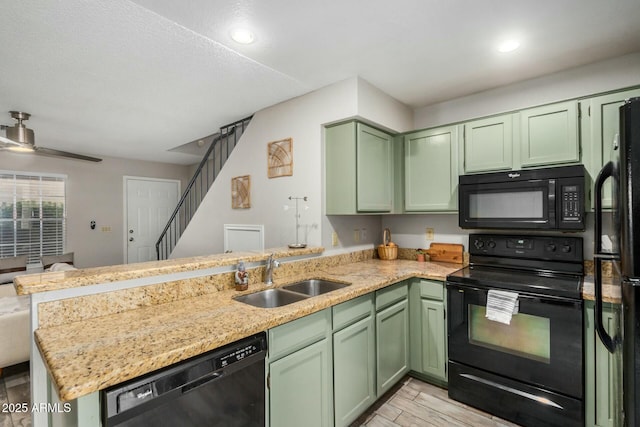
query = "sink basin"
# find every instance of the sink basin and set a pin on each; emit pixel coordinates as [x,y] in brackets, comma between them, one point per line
[314,287]
[271,298]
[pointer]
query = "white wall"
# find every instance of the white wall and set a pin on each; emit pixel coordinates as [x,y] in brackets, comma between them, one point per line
[590,79]
[94,192]
[301,119]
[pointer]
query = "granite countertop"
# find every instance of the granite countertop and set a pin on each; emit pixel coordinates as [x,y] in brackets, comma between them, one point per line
[90,355]
[610,292]
[51,281]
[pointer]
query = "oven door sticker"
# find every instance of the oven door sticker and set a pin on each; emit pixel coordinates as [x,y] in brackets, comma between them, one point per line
[526,336]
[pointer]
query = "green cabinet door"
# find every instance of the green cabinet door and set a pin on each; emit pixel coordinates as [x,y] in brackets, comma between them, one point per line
[433,340]
[428,330]
[601,125]
[431,170]
[374,170]
[549,135]
[300,388]
[392,345]
[487,144]
[354,370]
[359,164]
[602,371]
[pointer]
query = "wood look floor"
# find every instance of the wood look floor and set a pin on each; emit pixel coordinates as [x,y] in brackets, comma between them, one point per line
[15,389]
[410,403]
[415,403]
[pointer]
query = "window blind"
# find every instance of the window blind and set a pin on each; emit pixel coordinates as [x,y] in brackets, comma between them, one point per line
[32,215]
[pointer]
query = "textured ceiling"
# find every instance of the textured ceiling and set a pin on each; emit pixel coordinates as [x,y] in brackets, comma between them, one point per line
[135,79]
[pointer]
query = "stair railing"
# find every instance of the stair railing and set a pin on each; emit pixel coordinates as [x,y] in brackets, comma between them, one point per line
[217,154]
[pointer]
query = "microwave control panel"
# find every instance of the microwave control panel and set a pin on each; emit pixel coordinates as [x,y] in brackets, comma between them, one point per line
[571,199]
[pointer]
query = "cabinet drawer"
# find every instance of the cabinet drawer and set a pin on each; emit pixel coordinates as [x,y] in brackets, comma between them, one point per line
[391,294]
[351,311]
[292,336]
[432,290]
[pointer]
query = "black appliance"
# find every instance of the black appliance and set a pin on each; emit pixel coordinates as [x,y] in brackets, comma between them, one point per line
[225,387]
[549,199]
[624,170]
[531,370]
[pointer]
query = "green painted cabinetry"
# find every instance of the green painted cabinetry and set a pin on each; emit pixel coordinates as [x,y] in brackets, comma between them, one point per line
[353,359]
[358,169]
[300,372]
[487,144]
[428,330]
[600,124]
[549,135]
[431,170]
[392,336]
[602,376]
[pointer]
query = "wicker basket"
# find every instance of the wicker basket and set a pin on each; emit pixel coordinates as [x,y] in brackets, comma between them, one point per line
[386,251]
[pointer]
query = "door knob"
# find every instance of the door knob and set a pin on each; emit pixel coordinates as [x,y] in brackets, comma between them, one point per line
[131,239]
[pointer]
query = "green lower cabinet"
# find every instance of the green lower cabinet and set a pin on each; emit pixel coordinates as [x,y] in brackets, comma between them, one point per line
[392,344]
[300,388]
[602,375]
[300,372]
[354,361]
[434,361]
[428,331]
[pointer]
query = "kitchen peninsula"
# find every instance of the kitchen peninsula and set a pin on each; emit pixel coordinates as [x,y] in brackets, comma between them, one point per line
[99,327]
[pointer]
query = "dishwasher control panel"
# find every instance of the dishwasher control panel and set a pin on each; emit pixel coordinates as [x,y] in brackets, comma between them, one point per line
[238,353]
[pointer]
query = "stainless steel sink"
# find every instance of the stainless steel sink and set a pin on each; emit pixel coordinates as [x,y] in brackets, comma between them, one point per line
[271,298]
[314,287]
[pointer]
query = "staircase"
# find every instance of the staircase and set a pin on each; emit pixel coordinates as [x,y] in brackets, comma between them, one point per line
[215,157]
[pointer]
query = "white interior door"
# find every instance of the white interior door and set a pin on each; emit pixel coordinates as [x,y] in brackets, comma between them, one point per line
[149,203]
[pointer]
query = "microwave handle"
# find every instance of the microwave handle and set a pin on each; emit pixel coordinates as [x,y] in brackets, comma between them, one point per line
[608,171]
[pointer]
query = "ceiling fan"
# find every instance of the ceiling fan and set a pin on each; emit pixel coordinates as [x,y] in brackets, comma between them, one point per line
[21,139]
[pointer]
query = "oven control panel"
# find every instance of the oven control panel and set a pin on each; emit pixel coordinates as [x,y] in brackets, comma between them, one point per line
[555,248]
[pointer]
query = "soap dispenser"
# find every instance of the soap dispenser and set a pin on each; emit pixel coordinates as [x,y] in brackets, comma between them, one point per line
[242,277]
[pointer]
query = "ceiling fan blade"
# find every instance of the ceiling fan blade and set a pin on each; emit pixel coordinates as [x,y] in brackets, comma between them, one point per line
[59,153]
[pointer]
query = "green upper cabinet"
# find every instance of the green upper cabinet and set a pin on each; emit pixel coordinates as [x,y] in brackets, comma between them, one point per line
[600,124]
[358,169]
[549,135]
[487,144]
[431,170]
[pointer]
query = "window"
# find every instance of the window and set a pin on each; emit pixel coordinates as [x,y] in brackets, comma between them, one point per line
[32,214]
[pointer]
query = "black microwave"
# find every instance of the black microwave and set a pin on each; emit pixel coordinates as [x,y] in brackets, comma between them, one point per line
[537,199]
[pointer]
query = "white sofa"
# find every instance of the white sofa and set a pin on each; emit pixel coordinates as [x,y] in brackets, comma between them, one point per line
[14,310]
[14,326]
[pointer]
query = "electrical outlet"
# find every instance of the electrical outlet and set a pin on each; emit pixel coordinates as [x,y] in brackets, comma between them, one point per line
[363,234]
[430,233]
[356,235]
[334,239]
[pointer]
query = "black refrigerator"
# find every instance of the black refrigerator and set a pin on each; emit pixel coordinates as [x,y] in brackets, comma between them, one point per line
[624,255]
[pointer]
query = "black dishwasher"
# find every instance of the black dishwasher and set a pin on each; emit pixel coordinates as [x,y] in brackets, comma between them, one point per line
[225,387]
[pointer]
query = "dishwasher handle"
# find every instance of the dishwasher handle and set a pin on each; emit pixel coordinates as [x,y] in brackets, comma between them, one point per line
[201,381]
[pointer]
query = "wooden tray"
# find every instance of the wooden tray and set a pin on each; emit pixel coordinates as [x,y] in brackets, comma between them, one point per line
[446,252]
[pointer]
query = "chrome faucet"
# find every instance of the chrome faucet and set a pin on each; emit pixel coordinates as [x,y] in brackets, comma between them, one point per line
[268,269]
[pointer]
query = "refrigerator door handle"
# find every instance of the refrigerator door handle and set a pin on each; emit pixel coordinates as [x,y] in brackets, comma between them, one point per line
[607,171]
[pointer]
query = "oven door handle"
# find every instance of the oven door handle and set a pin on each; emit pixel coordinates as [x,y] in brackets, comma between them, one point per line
[608,171]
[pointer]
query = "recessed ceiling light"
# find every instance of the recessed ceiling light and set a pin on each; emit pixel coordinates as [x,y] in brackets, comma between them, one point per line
[508,46]
[242,36]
